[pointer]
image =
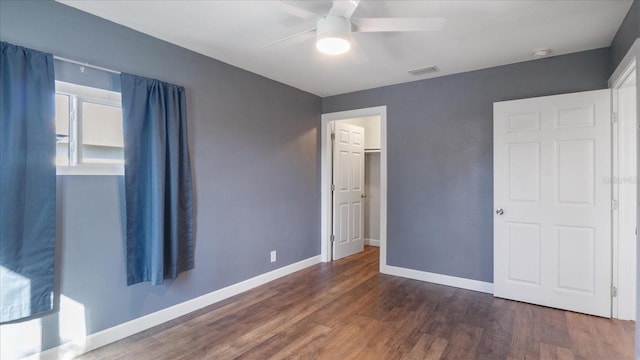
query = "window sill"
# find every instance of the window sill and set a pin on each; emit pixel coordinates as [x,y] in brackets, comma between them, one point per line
[98,169]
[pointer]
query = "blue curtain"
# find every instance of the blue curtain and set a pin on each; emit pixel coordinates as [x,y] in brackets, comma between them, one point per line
[158,187]
[27,182]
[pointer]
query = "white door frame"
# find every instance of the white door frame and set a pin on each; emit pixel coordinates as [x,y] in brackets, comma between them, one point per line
[325,182]
[623,305]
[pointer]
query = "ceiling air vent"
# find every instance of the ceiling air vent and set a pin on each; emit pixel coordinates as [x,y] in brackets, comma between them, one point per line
[424,70]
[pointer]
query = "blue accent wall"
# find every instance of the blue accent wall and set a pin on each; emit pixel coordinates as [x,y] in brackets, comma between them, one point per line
[440,156]
[254,148]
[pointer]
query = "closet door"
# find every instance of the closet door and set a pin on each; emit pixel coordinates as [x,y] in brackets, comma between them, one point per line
[348,190]
[552,227]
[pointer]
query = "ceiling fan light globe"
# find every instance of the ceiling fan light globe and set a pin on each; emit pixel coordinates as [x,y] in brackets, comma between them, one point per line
[333,35]
[333,45]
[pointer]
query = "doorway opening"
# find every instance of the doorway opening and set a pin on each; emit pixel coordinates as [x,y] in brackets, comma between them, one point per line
[374,178]
[355,185]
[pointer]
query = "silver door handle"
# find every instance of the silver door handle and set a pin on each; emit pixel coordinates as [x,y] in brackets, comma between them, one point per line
[499,211]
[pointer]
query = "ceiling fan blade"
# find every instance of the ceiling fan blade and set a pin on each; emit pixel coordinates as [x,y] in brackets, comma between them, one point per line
[294,39]
[398,24]
[292,9]
[344,8]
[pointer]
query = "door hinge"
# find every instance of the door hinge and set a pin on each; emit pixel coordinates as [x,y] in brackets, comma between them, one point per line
[614,205]
[333,187]
[333,238]
[614,117]
[614,291]
[333,136]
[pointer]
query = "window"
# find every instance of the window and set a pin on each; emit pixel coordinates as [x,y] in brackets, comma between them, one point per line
[89,139]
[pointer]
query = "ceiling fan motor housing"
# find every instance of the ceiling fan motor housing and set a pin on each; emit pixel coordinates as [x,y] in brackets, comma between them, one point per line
[333,26]
[333,35]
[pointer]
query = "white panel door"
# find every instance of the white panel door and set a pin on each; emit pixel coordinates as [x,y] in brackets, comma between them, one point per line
[552,197]
[348,193]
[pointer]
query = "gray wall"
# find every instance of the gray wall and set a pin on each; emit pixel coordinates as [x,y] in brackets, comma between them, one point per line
[628,32]
[254,147]
[440,156]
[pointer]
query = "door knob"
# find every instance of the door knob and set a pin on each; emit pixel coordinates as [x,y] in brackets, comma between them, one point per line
[363,195]
[499,211]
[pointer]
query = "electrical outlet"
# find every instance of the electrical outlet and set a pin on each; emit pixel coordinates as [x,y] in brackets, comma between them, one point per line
[273,256]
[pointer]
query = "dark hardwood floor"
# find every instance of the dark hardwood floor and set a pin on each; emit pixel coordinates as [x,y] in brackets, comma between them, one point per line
[347,310]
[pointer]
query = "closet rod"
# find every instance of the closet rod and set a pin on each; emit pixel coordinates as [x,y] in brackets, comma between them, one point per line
[85,65]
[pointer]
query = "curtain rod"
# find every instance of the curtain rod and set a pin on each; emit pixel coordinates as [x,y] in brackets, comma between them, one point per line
[85,65]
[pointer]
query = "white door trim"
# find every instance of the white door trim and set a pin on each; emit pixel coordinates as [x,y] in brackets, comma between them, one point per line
[623,305]
[623,69]
[325,182]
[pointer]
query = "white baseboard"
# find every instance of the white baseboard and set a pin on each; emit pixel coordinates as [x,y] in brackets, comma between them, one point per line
[118,332]
[458,282]
[372,242]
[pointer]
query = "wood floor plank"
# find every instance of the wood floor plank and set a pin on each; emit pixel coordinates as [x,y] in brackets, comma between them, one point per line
[350,340]
[552,352]
[409,323]
[239,305]
[550,326]
[289,342]
[338,311]
[463,343]
[496,339]
[523,344]
[347,310]
[428,347]
[448,313]
[591,338]
[478,308]
[123,349]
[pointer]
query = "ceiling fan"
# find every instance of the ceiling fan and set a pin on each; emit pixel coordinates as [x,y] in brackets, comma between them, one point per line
[333,30]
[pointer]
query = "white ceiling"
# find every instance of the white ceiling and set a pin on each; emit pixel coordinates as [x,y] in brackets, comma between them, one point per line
[477,34]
